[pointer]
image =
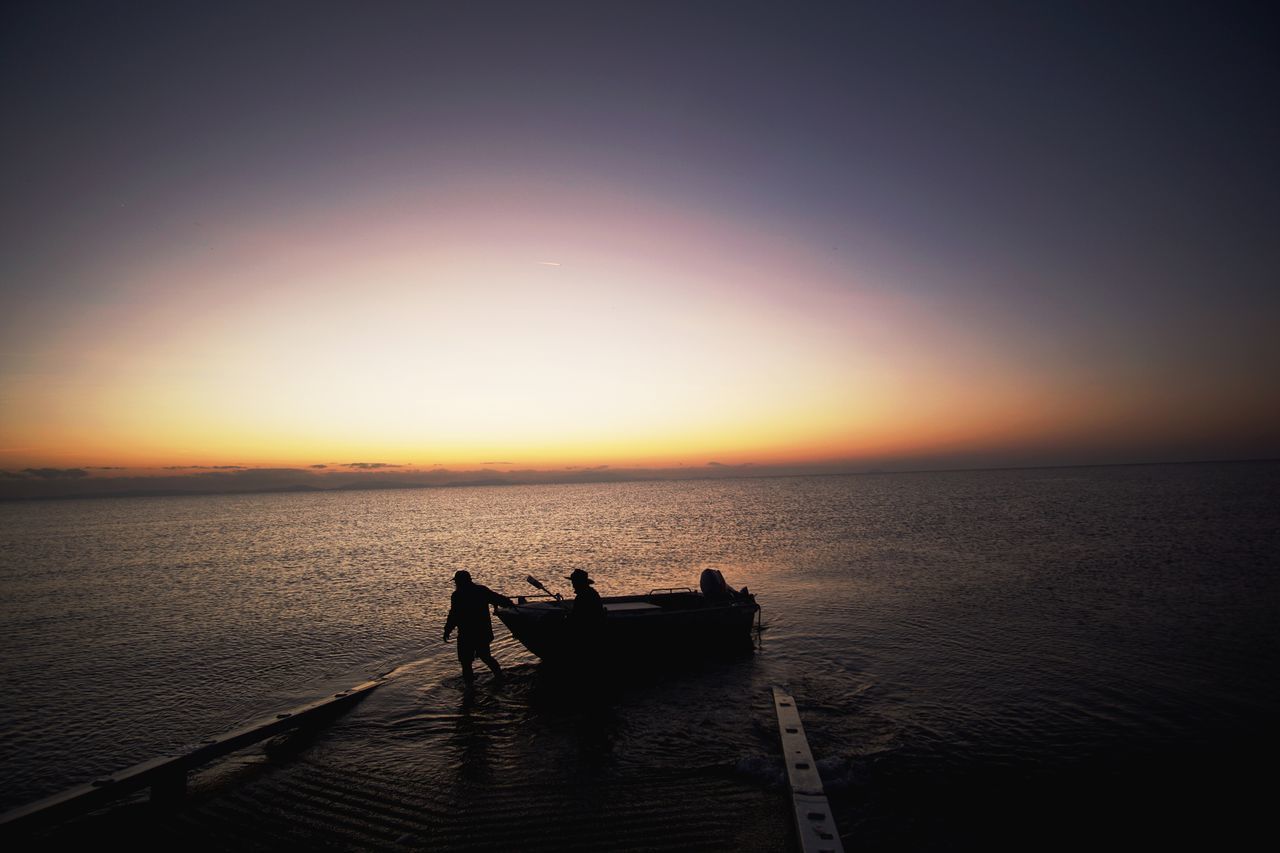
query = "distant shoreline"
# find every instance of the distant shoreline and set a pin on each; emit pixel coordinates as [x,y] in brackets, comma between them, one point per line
[222,484]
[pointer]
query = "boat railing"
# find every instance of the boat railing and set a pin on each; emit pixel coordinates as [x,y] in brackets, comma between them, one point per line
[671,590]
[525,599]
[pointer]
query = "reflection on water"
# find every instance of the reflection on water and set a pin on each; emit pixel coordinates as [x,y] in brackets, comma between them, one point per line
[976,656]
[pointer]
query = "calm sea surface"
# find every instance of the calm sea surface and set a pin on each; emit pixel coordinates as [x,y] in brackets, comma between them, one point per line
[1038,657]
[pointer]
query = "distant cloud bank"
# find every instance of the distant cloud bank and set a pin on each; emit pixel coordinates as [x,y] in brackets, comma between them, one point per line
[46,474]
[195,468]
[230,479]
[38,483]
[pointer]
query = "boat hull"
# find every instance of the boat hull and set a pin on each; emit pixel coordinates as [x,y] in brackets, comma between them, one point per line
[659,625]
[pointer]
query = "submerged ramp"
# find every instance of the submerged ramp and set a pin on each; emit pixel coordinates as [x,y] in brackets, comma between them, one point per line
[814,825]
[522,766]
[321,800]
[166,776]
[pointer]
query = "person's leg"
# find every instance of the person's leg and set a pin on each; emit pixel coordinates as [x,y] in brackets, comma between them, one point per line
[466,654]
[482,652]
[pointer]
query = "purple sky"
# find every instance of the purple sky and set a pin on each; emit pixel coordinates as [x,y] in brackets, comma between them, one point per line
[1072,205]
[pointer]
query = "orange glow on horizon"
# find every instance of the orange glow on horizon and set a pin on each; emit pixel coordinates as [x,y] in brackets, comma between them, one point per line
[601,329]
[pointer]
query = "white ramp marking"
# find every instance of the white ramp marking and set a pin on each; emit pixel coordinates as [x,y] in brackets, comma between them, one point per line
[814,824]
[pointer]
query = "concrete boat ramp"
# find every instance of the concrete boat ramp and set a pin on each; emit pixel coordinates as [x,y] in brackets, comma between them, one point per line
[394,774]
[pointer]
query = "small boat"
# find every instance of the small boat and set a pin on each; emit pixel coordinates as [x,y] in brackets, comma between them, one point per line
[659,624]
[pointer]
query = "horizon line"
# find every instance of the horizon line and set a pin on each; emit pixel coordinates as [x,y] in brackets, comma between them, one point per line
[629,475]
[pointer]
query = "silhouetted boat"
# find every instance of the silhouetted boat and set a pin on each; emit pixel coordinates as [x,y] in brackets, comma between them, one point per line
[663,622]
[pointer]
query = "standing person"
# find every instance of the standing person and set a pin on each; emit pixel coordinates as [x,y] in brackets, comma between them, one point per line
[469,613]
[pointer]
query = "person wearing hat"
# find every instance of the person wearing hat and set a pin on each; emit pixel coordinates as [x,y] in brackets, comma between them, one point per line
[588,609]
[469,613]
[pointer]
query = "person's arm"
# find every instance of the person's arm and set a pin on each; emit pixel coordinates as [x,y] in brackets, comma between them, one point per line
[499,599]
[449,624]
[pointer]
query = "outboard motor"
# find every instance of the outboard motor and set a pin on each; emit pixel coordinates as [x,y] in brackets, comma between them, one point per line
[713,585]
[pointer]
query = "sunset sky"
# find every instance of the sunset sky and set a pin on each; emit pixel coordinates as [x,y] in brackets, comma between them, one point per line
[652,234]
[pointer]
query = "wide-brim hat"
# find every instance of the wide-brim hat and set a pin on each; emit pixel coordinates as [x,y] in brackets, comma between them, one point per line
[579,575]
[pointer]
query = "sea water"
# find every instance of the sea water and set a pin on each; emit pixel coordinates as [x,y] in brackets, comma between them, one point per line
[1033,657]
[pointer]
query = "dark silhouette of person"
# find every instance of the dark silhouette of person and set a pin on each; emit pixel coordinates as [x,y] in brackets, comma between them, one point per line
[588,609]
[469,613]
